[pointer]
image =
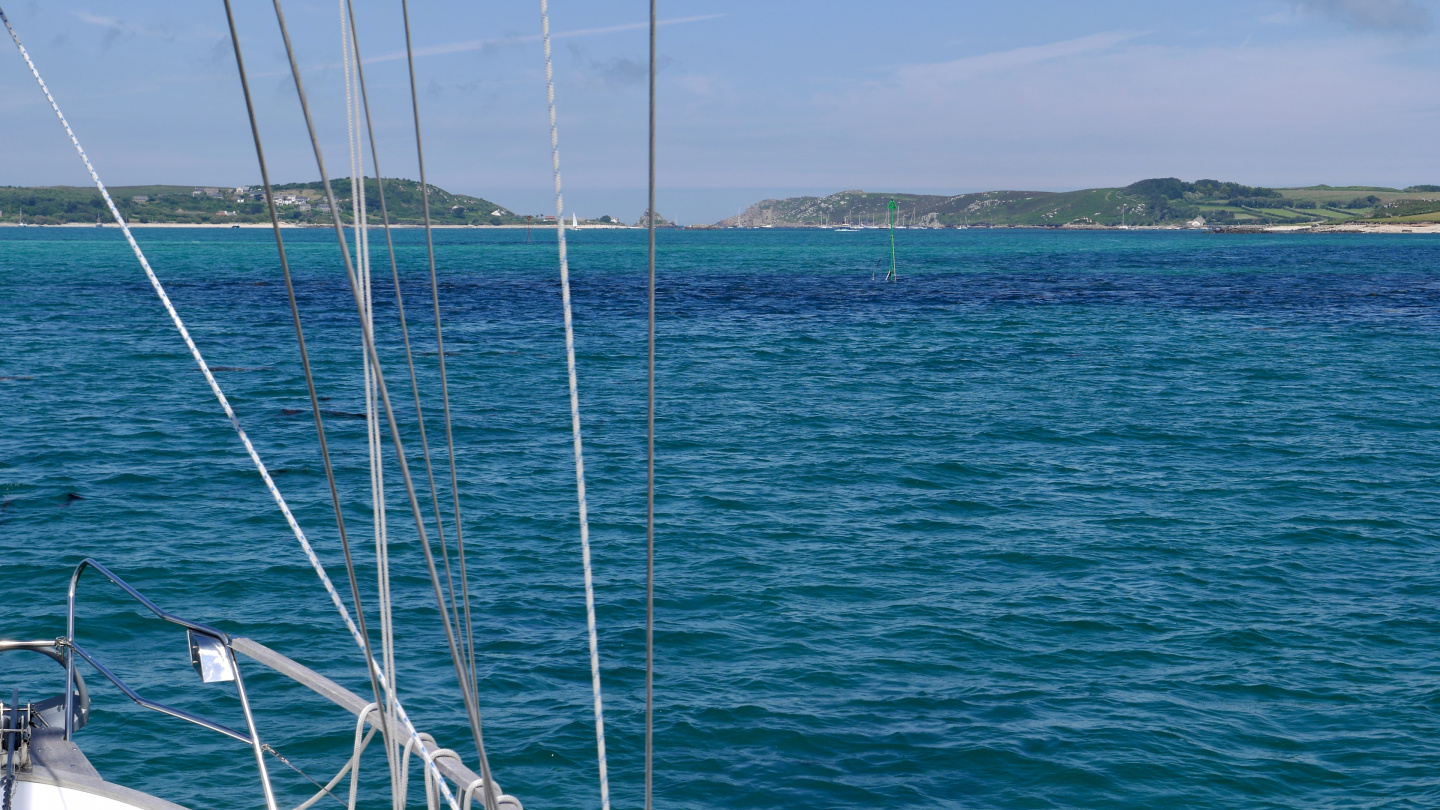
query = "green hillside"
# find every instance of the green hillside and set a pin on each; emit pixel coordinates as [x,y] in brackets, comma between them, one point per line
[299,203]
[1156,202]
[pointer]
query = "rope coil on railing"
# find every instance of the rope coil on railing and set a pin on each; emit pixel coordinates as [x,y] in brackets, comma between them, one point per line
[432,795]
[352,769]
[360,748]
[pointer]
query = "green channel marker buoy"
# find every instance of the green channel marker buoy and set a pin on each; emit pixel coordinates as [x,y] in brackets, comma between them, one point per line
[890,220]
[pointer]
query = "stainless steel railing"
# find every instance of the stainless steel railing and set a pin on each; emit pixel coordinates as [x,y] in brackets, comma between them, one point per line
[219,644]
[213,655]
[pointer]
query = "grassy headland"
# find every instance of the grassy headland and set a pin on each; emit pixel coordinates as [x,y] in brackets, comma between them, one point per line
[1148,203]
[297,203]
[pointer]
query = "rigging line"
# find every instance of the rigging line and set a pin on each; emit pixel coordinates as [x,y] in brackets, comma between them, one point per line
[375,458]
[219,394]
[361,640]
[373,437]
[305,364]
[650,464]
[324,791]
[215,387]
[472,710]
[575,412]
[184,333]
[405,331]
[440,345]
[372,428]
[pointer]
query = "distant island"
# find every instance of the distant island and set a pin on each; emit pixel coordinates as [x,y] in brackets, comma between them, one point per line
[296,204]
[1157,203]
[1160,202]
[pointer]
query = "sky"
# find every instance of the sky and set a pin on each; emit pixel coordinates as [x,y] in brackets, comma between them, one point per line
[757,98]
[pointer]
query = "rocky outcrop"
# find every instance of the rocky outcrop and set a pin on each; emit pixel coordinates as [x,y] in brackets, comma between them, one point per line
[854,206]
[660,221]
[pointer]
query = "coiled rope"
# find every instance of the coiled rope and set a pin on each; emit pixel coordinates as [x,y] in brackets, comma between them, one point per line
[575,413]
[215,388]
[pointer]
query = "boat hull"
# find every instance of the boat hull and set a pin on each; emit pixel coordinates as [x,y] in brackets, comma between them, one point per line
[33,795]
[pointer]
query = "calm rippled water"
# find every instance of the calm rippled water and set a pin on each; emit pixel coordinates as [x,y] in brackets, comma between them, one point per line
[1113,520]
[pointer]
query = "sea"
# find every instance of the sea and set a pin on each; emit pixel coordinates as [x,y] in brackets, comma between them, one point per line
[1055,519]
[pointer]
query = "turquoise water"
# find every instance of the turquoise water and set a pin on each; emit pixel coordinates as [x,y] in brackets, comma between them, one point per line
[1059,520]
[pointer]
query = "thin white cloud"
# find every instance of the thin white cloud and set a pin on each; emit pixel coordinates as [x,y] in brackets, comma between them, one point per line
[1392,16]
[1004,61]
[484,44]
[117,26]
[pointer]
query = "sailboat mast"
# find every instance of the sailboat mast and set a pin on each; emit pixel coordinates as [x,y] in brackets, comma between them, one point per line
[890,220]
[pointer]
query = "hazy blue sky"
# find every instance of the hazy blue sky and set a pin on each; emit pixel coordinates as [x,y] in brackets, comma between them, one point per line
[757,98]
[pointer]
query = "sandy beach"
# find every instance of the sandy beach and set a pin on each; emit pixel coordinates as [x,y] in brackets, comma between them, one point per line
[1349,227]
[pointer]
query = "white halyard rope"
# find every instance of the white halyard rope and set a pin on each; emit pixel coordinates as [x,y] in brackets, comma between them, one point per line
[349,62]
[185,334]
[575,414]
[359,749]
[224,402]
[351,766]
[468,796]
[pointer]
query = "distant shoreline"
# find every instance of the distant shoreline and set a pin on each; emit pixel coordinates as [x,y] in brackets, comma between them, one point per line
[1349,227]
[327,226]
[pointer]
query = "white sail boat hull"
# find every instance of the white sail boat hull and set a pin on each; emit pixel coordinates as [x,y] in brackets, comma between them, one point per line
[57,776]
[97,796]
